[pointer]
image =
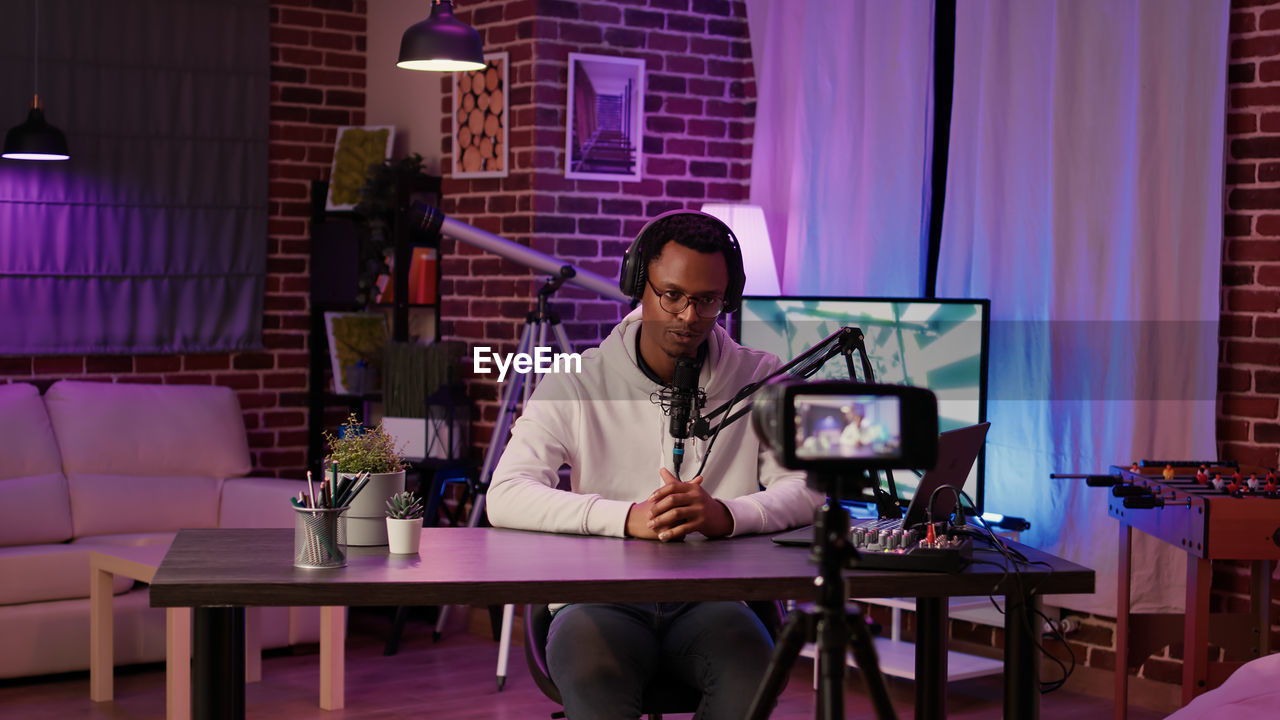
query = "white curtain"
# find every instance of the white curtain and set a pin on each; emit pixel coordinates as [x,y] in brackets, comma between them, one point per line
[841,157]
[1084,197]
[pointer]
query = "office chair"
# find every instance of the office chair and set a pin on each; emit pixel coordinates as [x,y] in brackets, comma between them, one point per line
[665,695]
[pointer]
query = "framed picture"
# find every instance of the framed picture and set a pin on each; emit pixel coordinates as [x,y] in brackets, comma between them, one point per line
[604,125]
[480,120]
[357,342]
[356,149]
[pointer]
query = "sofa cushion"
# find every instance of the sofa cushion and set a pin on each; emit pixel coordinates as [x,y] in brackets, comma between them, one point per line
[36,573]
[140,429]
[106,504]
[34,506]
[141,457]
[258,502]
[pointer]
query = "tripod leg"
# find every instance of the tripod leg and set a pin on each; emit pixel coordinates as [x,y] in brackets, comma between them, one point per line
[785,652]
[492,453]
[504,644]
[501,427]
[864,653]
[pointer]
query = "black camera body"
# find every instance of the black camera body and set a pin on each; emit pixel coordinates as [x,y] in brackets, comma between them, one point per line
[840,426]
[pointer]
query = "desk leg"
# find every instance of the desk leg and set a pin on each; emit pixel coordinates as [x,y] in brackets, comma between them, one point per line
[1122,622]
[253,644]
[177,663]
[1021,658]
[217,670]
[1260,596]
[1195,636]
[333,660]
[931,658]
[101,640]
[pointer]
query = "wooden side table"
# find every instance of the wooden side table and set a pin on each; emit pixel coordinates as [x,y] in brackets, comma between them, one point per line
[140,563]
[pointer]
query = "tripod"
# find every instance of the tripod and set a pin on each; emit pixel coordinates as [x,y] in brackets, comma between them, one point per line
[835,622]
[536,325]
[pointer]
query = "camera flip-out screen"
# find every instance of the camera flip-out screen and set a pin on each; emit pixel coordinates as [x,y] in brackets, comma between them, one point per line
[848,426]
[839,426]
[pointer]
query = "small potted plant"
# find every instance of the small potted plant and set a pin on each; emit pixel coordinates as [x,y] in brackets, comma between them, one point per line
[356,449]
[404,523]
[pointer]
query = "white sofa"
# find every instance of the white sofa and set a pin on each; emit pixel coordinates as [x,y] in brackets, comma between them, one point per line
[91,466]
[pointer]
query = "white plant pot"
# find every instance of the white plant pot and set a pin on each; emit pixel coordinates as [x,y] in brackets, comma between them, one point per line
[365,526]
[403,535]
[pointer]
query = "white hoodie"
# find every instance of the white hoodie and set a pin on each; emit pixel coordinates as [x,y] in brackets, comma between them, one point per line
[603,424]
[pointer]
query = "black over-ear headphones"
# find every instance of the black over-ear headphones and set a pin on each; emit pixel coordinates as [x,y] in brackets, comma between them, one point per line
[635,263]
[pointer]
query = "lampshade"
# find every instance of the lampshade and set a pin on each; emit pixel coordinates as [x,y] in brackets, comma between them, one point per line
[35,139]
[747,223]
[441,42]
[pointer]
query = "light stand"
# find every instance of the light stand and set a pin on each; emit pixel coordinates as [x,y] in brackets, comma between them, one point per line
[538,322]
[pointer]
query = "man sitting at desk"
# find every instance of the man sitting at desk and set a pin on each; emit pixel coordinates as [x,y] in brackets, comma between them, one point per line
[685,269]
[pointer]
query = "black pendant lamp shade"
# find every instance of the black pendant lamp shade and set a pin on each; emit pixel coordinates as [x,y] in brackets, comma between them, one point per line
[35,139]
[442,43]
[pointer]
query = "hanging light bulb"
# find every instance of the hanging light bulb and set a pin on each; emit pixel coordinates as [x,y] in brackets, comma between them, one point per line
[35,139]
[442,43]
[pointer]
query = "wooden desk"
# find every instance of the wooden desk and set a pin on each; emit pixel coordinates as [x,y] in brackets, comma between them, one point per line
[220,571]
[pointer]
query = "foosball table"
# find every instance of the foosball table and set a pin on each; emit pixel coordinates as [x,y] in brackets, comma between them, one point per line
[1212,512]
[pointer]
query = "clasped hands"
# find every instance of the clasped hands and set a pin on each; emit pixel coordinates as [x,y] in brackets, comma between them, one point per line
[677,509]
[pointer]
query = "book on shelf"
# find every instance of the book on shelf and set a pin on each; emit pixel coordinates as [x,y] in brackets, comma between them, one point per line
[422,278]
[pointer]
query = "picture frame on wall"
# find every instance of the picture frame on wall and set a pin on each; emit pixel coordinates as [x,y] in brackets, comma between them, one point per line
[357,344]
[481,119]
[604,125]
[356,148]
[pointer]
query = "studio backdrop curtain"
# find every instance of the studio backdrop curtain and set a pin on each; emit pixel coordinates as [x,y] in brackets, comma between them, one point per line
[841,151]
[1084,197]
[152,237]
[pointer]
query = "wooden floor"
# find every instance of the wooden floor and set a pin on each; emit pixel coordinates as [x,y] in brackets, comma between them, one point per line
[453,679]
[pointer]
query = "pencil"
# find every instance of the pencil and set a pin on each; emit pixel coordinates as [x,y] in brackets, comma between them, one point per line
[311,493]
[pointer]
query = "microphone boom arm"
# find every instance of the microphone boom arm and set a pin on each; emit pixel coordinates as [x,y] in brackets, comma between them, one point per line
[841,342]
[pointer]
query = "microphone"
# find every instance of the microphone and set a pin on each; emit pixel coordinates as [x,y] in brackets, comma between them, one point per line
[684,404]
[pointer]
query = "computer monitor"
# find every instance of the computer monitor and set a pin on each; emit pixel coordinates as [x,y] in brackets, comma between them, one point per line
[939,344]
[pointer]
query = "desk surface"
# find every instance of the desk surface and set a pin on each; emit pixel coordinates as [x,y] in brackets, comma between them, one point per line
[235,567]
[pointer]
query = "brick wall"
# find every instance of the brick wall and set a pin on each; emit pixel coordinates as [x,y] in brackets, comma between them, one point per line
[1249,370]
[317,81]
[698,115]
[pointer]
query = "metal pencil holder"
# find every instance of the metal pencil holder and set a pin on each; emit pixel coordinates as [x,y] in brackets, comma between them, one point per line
[320,537]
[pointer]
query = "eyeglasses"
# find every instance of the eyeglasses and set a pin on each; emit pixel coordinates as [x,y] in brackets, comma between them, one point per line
[674,302]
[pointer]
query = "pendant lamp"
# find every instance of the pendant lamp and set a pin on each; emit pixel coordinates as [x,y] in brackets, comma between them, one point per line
[442,43]
[35,139]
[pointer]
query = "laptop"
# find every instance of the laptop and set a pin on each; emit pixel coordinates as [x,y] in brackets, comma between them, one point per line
[957,452]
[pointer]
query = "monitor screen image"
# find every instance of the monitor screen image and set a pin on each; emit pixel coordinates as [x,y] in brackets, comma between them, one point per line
[939,344]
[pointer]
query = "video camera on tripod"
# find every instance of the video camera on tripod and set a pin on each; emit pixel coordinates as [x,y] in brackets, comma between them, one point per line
[839,432]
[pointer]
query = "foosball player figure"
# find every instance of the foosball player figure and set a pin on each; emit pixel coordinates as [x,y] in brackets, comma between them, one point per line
[1202,476]
[1270,487]
[1168,472]
[1217,482]
[1254,484]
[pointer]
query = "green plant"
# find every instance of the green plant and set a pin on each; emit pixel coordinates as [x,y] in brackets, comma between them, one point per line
[375,214]
[359,448]
[404,506]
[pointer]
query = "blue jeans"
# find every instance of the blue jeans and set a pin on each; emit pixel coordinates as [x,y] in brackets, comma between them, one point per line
[603,656]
